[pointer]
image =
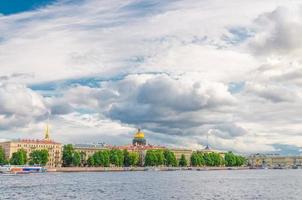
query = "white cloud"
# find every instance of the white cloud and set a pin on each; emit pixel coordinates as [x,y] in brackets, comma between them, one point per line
[19,105]
[164,66]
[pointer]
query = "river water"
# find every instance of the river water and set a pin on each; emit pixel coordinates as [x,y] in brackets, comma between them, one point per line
[155,185]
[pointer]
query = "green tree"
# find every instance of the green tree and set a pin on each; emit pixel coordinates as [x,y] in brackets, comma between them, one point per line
[230,159]
[116,157]
[170,159]
[126,158]
[133,159]
[194,159]
[3,161]
[183,161]
[90,161]
[19,157]
[240,160]
[160,157]
[68,152]
[151,158]
[83,159]
[102,158]
[39,157]
[76,159]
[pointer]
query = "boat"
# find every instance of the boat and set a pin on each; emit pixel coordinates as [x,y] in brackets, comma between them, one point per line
[15,169]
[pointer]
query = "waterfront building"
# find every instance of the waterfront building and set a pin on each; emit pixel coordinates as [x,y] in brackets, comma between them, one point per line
[207,149]
[29,145]
[179,151]
[274,161]
[89,149]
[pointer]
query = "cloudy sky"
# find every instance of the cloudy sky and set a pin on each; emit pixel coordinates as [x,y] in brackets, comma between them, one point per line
[177,69]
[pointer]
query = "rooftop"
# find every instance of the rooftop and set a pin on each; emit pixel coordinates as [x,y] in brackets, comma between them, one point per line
[36,141]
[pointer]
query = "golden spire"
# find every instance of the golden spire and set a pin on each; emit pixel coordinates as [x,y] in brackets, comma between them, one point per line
[47,133]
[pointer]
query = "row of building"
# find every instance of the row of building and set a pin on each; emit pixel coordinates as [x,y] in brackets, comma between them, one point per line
[139,144]
[272,161]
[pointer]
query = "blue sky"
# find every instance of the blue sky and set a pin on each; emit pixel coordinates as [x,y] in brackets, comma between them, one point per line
[8,7]
[179,70]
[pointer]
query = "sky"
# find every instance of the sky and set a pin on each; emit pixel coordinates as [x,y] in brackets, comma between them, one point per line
[179,70]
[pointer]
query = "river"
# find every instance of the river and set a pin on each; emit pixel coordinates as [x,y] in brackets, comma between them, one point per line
[155,185]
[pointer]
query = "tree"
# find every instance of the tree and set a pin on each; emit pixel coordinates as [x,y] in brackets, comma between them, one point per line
[90,161]
[194,159]
[151,158]
[183,161]
[230,159]
[126,158]
[39,157]
[68,153]
[70,156]
[83,161]
[197,159]
[133,159]
[160,157]
[116,157]
[102,158]
[170,159]
[76,159]
[19,157]
[3,161]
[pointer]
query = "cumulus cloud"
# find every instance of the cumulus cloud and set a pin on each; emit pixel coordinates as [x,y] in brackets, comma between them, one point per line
[278,32]
[177,69]
[19,105]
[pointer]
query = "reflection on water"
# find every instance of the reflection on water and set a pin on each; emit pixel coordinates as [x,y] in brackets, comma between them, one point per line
[184,185]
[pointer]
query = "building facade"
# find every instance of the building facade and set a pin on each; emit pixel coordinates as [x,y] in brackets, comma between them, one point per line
[29,145]
[274,161]
[178,152]
[89,149]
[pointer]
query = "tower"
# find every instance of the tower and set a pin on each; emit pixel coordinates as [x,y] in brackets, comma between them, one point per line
[46,135]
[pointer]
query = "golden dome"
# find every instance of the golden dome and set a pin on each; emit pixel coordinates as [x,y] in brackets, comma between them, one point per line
[139,134]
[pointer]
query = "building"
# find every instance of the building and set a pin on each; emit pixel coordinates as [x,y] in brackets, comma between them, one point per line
[178,152]
[89,149]
[29,145]
[139,139]
[207,149]
[274,161]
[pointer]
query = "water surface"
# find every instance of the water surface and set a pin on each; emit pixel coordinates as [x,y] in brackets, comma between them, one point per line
[184,185]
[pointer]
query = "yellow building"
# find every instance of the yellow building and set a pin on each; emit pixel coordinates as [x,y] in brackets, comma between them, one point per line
[89,149]
[178,152]
[29,145]
[275,161]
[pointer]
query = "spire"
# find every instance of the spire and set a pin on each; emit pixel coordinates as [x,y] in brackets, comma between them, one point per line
[46,137]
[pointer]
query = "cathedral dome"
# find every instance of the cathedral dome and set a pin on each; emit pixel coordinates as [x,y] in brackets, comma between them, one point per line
[139,134]
[139,138]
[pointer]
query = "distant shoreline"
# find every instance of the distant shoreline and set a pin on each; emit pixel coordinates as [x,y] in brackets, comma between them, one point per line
[127,169]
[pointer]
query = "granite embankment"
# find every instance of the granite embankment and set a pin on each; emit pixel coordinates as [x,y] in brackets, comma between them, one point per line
[121,169]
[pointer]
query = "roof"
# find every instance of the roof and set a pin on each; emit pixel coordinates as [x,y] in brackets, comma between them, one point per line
[28,141]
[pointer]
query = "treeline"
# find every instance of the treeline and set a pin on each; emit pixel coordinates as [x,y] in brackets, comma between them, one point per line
[212,159]
[119,158]
[103,158]
[36,157]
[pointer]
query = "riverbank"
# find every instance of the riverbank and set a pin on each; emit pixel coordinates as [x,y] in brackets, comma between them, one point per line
[126,169]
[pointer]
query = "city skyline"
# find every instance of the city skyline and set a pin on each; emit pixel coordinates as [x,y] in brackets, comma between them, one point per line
[179,70]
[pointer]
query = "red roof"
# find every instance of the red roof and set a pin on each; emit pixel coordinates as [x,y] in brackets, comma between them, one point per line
[137,147]
[37,141]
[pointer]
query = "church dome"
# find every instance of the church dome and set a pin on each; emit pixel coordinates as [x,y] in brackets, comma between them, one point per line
[139,138]
[139,134]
